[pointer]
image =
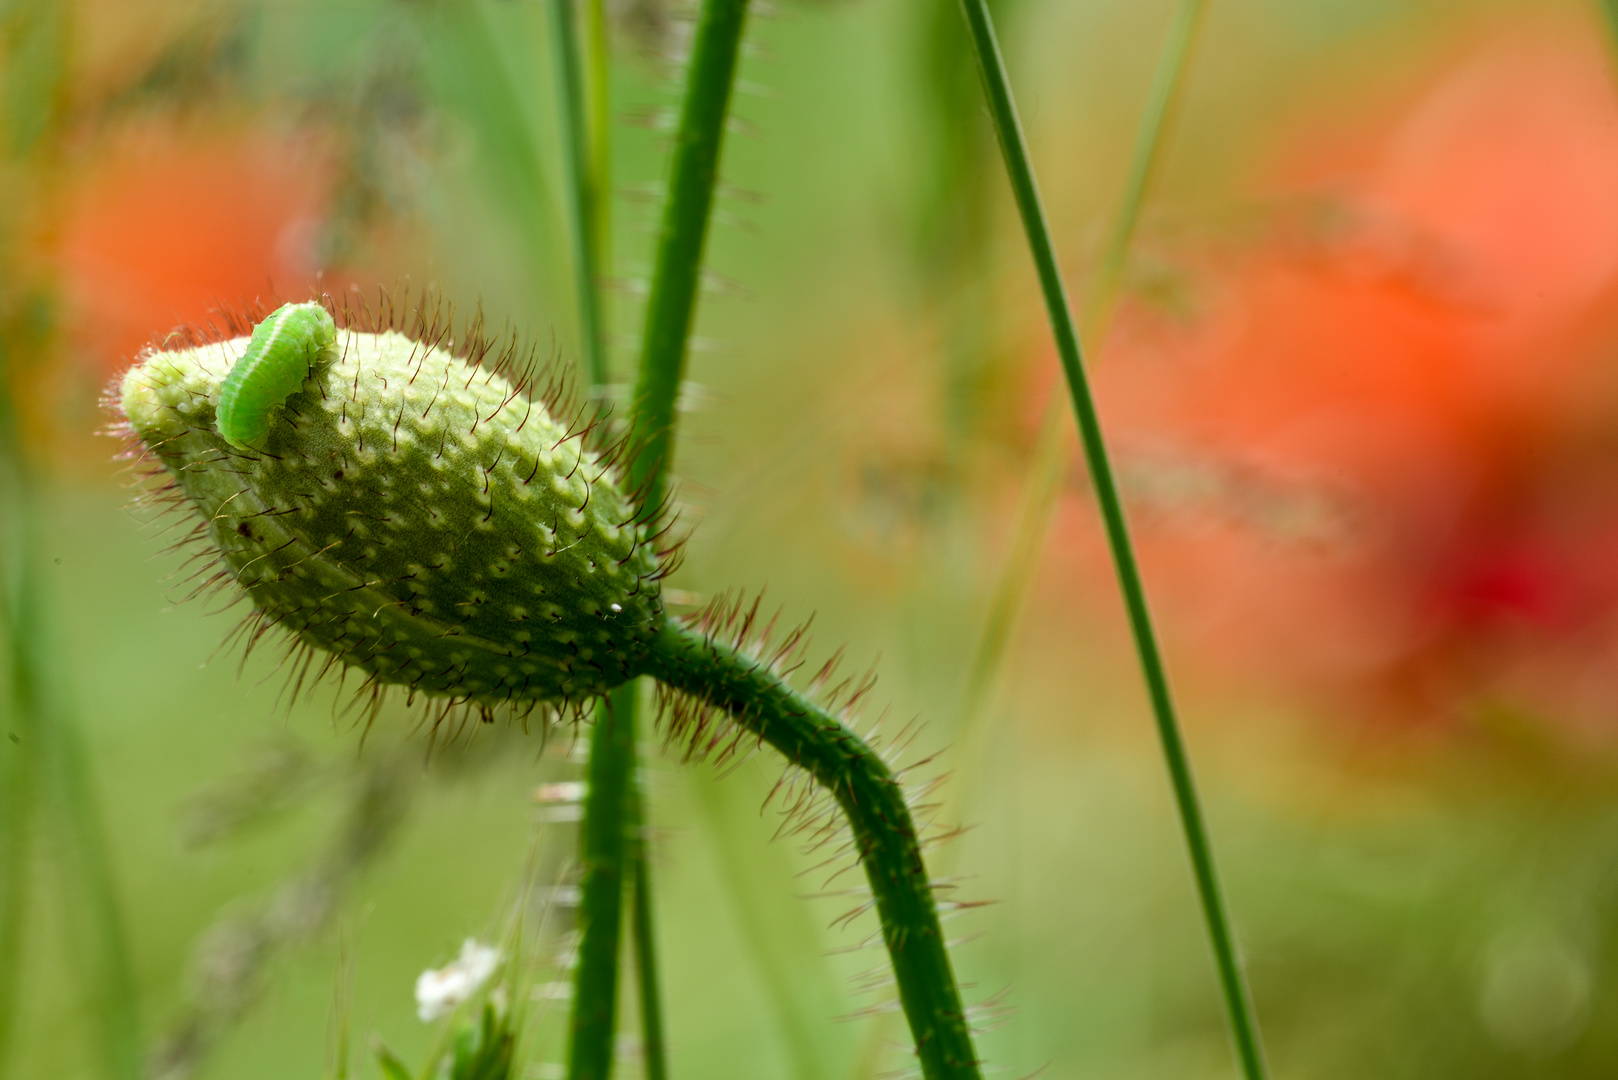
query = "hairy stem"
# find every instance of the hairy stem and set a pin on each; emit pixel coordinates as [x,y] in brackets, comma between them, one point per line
[646,965]
[613,856]
[812,739]
[668,324]
[672,305]
[1232,980]
[601,887]
[670,312]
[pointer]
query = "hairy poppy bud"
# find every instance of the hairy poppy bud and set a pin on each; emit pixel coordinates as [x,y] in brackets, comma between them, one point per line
[415,516]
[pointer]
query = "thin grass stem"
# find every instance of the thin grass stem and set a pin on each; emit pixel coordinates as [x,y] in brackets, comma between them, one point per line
[583,187]
[21,758]
[1053,446]
[1002,109]
[43,741]
[52,752]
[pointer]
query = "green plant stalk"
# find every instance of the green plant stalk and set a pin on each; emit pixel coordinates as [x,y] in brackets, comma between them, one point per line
[869,795]
[1053,445]
[601,887]
[677,274]
[608,809]
[723,677]
[665,344]
[51,750]
[47,761]
[19,790]
[598,114]
[1233,983]
[583,192]
[646,964]
[670,312]
[582,92]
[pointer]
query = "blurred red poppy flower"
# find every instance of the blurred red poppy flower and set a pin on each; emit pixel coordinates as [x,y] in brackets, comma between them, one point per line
[163,225]
[1378,462]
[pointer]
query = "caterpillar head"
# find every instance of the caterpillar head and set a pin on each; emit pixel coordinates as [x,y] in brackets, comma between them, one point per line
[405,511]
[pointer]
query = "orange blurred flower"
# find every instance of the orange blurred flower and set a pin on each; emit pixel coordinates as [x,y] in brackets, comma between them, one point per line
[164,224]
[1379,463]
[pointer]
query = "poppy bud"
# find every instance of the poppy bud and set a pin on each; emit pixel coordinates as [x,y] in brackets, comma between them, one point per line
[413,515]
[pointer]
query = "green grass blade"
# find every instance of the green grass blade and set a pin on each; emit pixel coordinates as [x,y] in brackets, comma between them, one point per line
[583,187]
[51,750]
[1053,446]
[1233,983]
[20,764]
[36,39]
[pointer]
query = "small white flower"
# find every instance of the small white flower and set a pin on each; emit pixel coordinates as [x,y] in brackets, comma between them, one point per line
[439,991]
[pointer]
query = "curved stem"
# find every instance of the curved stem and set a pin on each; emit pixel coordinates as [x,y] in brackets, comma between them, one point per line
[1232,980]
[815,741]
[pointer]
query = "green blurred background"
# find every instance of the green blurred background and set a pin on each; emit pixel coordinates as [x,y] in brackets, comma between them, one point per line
[1361,383]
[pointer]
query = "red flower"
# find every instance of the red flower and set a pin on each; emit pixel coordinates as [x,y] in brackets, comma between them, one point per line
[1400,424]
[165,225]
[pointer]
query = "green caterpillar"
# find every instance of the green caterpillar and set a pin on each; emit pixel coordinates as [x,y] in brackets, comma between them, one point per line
[280,355]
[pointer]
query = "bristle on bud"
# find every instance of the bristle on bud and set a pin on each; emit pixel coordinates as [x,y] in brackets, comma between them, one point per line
[413,510]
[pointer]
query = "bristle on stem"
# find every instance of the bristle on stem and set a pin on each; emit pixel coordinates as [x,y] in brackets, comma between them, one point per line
[722,677]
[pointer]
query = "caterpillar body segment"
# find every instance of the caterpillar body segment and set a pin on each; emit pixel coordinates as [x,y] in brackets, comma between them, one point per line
[280,355]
